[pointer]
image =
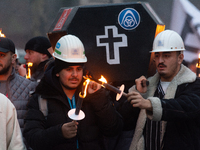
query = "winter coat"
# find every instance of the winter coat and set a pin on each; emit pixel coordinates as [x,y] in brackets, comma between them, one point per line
[179,112]
[11,137]
[101,118]
[18,91]
[39,72]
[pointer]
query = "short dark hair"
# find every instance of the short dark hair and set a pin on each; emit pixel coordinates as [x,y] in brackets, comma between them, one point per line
[179,52]
[59,65]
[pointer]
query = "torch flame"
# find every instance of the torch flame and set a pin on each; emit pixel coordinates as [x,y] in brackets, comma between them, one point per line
[30,64]
[85,84]
[102,79]
[1,34]
[198,64]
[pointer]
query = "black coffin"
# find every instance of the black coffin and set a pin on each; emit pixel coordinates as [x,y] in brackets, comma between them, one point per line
[117,38]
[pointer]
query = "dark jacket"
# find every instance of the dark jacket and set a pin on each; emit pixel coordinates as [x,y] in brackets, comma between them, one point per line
[39,72]
[101,118]
[179,112]
[18,91]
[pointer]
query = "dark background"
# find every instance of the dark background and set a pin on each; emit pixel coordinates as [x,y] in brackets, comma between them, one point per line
[21,20]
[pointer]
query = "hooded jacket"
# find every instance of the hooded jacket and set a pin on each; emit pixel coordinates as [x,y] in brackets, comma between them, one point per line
[179,112]
[101,118]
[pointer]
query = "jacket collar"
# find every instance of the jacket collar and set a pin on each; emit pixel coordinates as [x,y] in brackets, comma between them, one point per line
[50,88]
[39,70]
[12,75]
[185,75]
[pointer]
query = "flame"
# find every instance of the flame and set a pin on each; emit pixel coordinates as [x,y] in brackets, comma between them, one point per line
[30,64]
[102,79]
[198,64]
[1,34]
[85,85]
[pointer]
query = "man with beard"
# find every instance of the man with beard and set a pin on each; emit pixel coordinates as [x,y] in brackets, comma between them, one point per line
[12,85]
[60,88]
[170,106]
[38,51]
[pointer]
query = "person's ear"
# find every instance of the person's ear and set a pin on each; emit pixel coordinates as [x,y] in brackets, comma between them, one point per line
[180,58]
[44,57]
[14,57]
[57,74]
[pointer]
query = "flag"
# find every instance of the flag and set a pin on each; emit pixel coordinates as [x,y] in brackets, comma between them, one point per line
[186,21]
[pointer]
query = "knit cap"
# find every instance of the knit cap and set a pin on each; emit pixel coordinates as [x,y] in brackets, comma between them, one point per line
[39,44]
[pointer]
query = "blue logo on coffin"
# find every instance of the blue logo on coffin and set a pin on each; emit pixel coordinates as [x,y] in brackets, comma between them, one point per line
[129,18]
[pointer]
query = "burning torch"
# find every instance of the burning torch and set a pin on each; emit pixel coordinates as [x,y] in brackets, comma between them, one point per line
[77,113]
[1,34]
[28,75]
[119,91]
[198,67]
[103,82]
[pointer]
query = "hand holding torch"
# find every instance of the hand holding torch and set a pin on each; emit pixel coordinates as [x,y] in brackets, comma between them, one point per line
[77,113]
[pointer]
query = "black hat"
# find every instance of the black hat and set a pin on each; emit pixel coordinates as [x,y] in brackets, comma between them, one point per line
[59,65]
[39,44]
[6,45]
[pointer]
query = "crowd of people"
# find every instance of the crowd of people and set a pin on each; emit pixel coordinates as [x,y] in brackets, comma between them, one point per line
[163,115]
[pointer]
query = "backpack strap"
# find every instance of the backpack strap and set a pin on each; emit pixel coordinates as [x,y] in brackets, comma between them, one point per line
[43,105]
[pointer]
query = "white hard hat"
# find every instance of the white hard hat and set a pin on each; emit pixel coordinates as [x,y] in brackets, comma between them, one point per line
[69,48]
[167,41]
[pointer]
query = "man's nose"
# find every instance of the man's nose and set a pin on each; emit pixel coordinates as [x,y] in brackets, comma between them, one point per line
[74,73]
[161,59]
[26,57]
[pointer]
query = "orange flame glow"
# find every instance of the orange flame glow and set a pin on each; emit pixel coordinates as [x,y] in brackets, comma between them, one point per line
[85,85]
[1,34]
[30,64]
[198,64]
[102,79]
